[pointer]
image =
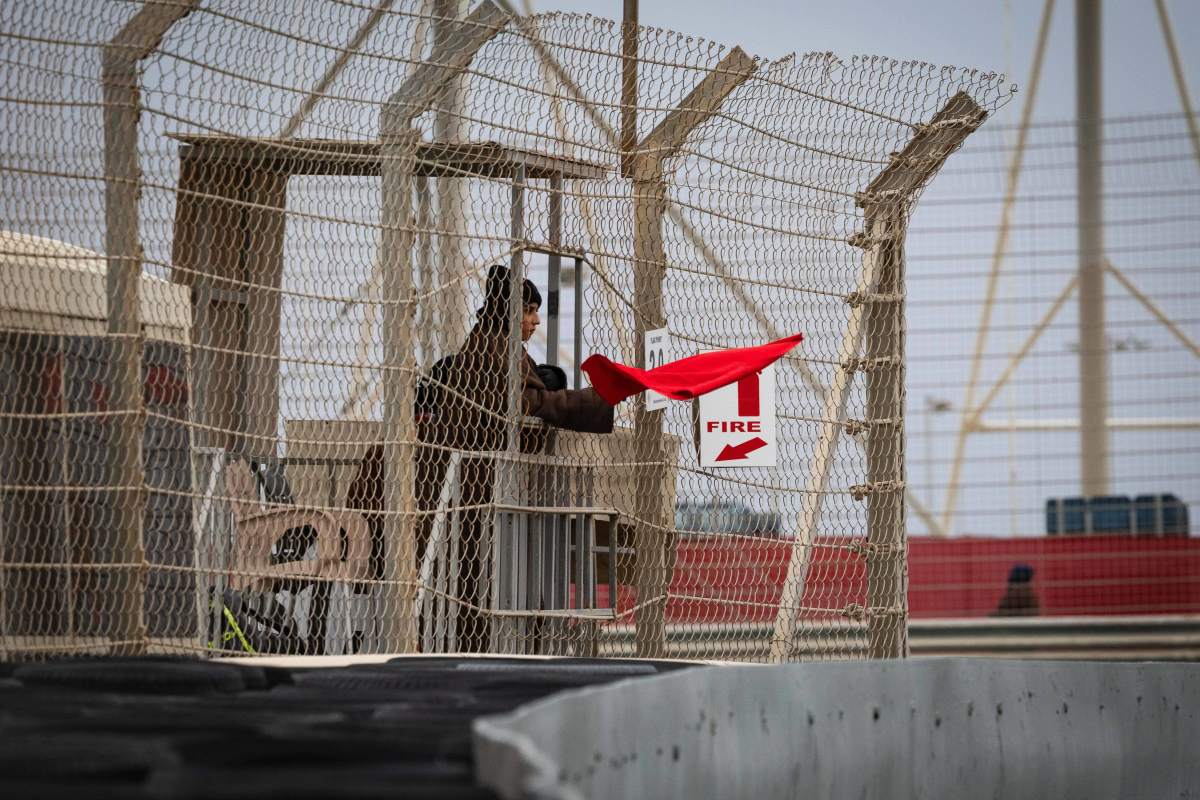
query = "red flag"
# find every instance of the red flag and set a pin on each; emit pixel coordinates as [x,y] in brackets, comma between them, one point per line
[686,378]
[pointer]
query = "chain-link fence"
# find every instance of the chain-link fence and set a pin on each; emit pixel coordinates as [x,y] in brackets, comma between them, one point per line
[994,379]
[295,301]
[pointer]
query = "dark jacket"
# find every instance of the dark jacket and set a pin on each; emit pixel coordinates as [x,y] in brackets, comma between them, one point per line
[1019,601]
[474,405]
[470,415]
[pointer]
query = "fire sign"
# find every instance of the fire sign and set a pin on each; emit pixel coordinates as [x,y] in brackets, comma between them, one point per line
[737,423]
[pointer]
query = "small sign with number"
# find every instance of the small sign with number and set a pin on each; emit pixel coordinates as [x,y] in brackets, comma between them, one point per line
[658,352]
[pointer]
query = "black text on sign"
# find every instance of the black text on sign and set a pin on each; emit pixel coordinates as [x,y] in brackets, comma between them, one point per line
[658,352]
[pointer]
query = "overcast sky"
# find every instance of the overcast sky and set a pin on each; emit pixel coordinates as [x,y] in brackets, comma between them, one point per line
[964,33]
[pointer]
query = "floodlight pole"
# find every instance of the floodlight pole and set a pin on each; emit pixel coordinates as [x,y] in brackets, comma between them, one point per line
[398,145]
[123,175]
[877,317]
[1089,154]
[652,533]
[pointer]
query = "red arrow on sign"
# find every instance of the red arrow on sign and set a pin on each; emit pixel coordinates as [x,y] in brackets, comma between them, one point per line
[743,450]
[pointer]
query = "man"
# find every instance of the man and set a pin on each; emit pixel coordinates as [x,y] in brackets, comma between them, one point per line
[474,405]
[1019,600]
[463,406]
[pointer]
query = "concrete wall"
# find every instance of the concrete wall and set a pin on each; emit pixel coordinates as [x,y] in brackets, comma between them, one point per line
[936,728]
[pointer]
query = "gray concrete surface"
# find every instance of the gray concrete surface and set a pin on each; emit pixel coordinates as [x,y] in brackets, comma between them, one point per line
[930,728]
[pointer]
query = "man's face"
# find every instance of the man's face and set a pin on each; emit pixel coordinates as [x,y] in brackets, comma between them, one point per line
[529,321]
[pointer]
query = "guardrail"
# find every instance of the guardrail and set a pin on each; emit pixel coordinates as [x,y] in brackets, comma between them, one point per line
[1157,638]
[1149,638]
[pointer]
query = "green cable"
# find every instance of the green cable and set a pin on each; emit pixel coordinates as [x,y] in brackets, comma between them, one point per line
[238,630]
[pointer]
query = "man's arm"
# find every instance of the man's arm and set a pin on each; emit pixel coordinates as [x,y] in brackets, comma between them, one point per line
[583,410]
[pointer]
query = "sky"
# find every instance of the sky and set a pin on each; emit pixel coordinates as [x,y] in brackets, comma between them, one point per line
[963,33]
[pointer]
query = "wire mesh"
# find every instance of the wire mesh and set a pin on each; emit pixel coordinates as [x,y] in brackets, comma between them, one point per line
[273,379]
[1125,553]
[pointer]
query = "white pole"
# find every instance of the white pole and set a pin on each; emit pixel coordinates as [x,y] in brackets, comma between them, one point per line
[123,184]
[1089,156]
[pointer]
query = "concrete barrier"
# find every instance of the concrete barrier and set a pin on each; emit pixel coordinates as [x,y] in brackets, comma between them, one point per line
[931,728]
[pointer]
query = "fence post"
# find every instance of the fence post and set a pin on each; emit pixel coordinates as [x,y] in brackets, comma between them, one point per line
[877,314]
[398,151]
[122,175]
[883,353]
[451,123]
[652,538]
[887,200]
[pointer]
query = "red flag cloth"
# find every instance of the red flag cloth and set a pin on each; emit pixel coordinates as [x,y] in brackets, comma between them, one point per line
[686,378]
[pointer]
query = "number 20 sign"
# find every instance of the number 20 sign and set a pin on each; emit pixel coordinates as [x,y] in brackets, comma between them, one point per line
[658,352]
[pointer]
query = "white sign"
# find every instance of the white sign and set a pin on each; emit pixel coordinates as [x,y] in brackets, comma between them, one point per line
[737,423]
[658,352]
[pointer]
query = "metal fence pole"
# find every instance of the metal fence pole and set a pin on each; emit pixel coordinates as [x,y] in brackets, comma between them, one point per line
[1093,345]
[877,312]
[397,154]
[887,201]
[451,123]
[516,307]
[883,349]
[452,54]
[122,174]
[653,540]
[652,537]
[630,32]
[553,270]
[511,534]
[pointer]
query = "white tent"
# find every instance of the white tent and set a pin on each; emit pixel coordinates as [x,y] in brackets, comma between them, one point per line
[55,287]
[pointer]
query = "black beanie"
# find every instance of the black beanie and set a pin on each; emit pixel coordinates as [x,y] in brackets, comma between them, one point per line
[494,314]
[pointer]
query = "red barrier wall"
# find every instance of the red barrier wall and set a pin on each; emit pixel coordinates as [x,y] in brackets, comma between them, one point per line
[1075,575]
[741,580]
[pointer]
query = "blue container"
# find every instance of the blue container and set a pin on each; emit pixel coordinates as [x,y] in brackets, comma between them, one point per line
[1148,515]
[1161,515]
[1111,514]
[1065,516]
